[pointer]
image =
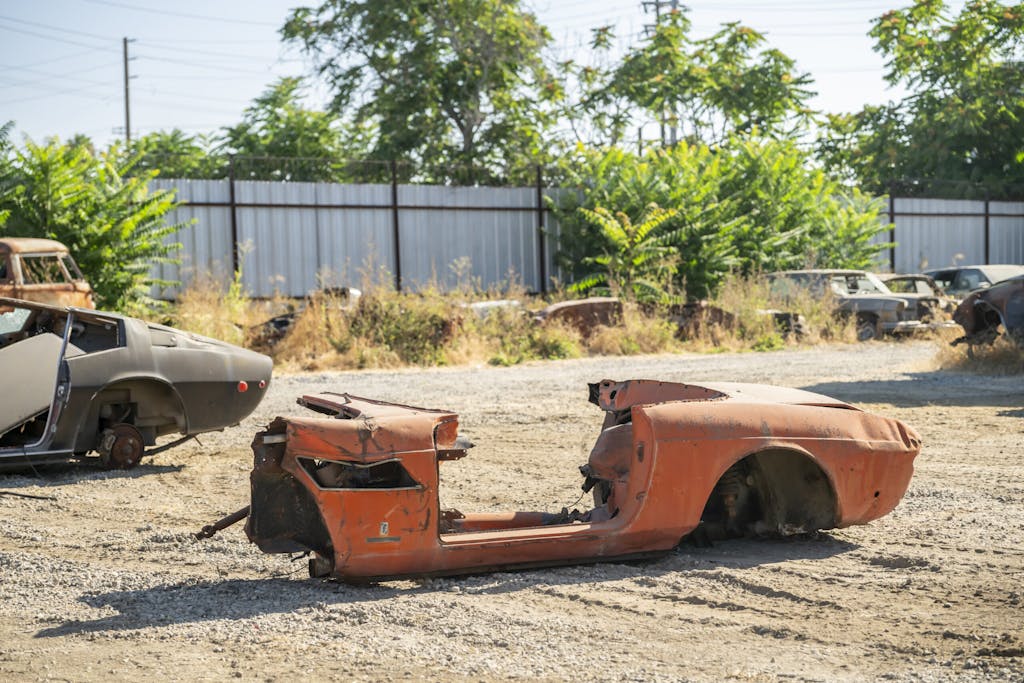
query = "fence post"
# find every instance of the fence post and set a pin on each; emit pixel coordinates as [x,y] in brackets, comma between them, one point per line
[892,228]
[394,226]
[988,234]
[234,215]
[542,256]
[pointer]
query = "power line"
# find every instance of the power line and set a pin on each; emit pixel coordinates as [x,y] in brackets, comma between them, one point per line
[52,38]
[35,83]
[183,15]
[86,92]
[73,55]
[211,53]
[200,65]
[55,28]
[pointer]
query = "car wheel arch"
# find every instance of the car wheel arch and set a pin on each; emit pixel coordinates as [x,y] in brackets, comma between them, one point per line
[165,393]
[778,489]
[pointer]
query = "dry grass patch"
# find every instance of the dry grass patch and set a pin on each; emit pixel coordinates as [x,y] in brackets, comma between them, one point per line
[1002,357]
[638,332]
[214,309]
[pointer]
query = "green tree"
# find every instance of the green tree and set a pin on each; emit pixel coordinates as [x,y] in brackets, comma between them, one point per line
[458,88]
[713,87]
[176,154]
[963,119]
[749,205]
[279,139]
[115,227]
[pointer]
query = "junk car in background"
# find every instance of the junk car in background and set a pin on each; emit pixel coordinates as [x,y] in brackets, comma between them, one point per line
[42,270]
[987,313]
[920,290]
[877,311]
[959,281]
[356,481]
[78,381]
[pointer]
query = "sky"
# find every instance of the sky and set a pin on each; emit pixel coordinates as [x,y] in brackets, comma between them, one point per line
[197,64]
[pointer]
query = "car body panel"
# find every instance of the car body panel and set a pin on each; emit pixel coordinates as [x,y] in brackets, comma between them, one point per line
[42,270]
[100,369]
[959,281]
[921,291]
[985,312]
[855,293]
[358,484]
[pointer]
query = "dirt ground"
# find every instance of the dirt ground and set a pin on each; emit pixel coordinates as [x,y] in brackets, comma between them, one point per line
[102,578]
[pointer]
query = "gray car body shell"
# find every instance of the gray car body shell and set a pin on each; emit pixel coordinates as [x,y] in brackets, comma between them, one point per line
[81,370]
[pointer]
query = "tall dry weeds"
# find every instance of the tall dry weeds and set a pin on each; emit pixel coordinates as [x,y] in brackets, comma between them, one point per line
[638,332]
[214,309]
[1004,356]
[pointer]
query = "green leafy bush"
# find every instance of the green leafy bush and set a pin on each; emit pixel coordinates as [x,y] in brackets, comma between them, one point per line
[751,205]
[114,226]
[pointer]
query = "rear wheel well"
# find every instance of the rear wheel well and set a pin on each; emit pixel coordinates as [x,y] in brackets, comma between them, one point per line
[152,407]
[776,491]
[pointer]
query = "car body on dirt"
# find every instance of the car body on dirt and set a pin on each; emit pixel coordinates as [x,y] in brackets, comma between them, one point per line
[856,293]
[959,281]
[79,381]
[987,313]
[356,483]
[35,269]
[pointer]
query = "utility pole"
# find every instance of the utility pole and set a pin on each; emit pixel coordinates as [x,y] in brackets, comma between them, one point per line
[127,108]
[647,5]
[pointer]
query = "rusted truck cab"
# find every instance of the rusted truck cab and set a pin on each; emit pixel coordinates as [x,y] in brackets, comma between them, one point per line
[42,270]
[357,485]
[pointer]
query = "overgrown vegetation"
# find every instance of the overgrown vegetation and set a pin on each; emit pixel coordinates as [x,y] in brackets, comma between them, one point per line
[115,227]
[383,328]
[1002,357]
[958,131]
[751,205]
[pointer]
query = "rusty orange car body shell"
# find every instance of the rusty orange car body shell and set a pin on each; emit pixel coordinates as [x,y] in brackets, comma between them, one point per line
[661,466]
[69,288]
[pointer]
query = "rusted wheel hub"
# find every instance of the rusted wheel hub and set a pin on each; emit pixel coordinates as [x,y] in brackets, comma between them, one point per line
[121,447]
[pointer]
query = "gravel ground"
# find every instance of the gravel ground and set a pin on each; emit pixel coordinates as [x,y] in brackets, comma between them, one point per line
[103,579]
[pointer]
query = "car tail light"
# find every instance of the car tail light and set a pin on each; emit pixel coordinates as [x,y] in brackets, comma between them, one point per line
[243,387]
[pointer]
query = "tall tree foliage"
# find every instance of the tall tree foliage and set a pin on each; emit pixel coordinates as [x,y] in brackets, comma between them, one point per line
[277,126]
[177,154]
[963,120]
[713,87]
[457,84]
[115,227]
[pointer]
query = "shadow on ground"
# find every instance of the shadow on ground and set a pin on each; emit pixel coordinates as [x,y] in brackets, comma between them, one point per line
[193,601]
[916,389]
[65,474]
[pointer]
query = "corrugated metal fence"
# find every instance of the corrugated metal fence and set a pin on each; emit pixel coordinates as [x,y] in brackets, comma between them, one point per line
[933,233]
[295,237]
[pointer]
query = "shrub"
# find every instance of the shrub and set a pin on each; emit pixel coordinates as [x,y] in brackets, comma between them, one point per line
[114,226]
[751,205]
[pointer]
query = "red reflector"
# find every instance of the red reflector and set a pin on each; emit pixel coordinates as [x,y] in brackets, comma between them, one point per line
[263,384]
[243,386]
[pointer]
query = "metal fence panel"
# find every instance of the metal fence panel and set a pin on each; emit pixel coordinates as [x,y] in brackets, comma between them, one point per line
[1006,232]
[206,242]
[354,242]
[295,237]
[278,241]
[454,233]
[932,233]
